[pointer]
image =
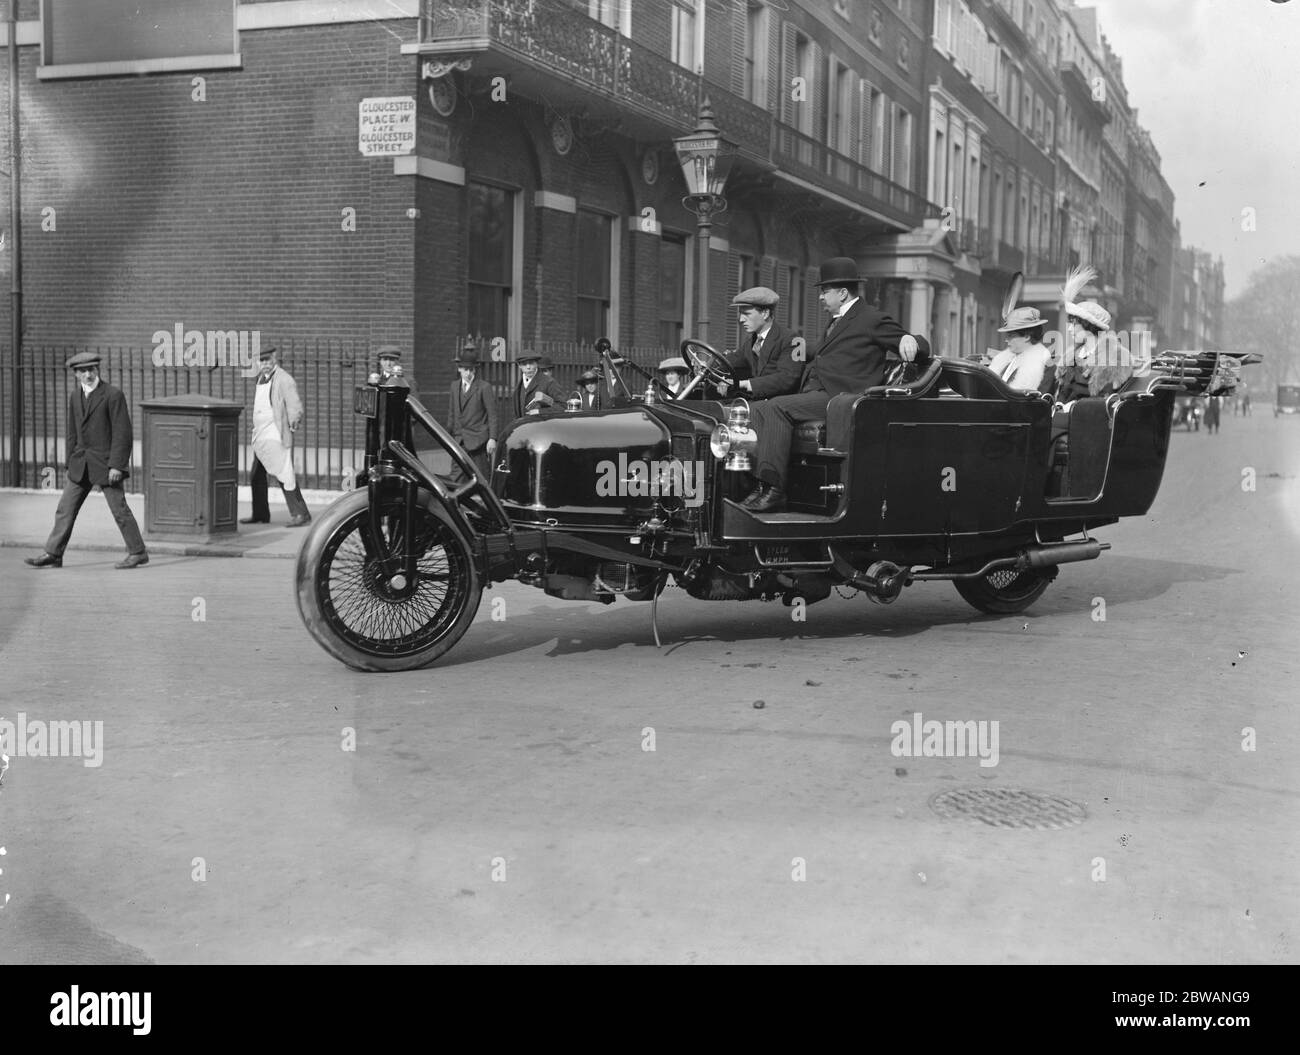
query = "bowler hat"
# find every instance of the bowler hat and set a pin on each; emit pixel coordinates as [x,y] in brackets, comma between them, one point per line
[1022,319]
[839,271]
[466,357]
[84,359]
[756,297]
[389,351]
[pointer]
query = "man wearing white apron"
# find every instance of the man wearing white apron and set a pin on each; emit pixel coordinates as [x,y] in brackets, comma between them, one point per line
[277,413]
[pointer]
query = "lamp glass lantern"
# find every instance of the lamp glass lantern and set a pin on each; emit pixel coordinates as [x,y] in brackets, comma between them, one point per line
[705,157]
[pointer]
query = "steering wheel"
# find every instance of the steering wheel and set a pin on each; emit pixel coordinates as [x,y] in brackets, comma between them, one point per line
[709,362]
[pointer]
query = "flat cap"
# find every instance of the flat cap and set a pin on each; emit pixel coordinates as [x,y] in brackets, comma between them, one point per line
[389,351]
[757,297]
[528,356]
[83,359]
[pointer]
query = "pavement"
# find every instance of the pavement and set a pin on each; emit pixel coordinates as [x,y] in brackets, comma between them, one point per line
[26,517]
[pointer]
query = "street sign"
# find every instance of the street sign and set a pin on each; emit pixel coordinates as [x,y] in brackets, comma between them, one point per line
[386,126]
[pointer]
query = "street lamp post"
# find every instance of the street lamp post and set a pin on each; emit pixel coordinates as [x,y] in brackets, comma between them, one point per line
[706,159]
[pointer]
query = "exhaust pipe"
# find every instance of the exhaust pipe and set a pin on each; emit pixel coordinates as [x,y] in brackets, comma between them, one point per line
[1055,553]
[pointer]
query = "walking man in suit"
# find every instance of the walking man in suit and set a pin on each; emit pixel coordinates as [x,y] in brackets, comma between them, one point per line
[277,413]
[472,414]
[852,357]
[99,452]
[766,361]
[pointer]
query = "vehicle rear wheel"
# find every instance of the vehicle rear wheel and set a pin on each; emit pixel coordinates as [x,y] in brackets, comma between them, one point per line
[350,609]
[1005,591]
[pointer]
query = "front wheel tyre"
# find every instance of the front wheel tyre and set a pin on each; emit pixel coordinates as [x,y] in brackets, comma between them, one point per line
[1005,591]
[351,610]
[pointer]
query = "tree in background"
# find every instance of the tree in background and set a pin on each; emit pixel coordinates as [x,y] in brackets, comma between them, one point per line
[1266,319]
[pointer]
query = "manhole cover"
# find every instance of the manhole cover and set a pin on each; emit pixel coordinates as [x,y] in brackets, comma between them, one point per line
[1008,808]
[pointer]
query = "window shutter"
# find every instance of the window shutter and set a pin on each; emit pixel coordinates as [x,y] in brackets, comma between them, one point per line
[788,73]
[820,62]
[739,20]
[887,139]
[781,283]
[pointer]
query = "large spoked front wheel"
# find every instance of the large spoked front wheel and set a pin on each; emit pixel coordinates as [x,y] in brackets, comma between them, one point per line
[374,623]
[1004,591]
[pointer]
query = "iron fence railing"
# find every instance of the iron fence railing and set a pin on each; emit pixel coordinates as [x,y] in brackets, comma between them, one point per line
[329,445]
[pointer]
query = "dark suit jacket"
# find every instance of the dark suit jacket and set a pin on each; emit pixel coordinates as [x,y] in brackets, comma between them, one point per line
[541,383]
[857,352]
[776,372]
[472,415]
[99,433]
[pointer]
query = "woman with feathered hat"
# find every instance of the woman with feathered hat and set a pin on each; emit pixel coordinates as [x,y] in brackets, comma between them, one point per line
[1085,373]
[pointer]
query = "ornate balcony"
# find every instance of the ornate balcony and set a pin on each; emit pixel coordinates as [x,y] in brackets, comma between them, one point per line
[559,54]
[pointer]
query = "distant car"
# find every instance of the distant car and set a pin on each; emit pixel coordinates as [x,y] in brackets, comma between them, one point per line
[951,476]
[1288,400]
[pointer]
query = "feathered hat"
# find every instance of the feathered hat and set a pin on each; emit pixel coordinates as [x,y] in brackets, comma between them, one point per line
[1089,310]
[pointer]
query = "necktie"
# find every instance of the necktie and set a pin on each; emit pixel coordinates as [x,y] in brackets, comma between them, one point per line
[834,320]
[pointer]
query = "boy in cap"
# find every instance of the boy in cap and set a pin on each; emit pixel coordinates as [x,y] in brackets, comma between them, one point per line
[472,414]
[766,361]
[99,451]
[277,413]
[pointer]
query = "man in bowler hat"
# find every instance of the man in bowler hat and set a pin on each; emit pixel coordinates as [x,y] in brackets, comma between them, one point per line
[99,453]
[860,342]
[766,361]
[472,414]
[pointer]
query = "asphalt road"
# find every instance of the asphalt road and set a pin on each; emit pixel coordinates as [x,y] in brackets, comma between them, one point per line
[501,807]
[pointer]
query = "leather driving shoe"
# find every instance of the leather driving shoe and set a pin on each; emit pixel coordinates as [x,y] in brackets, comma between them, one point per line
[302,521]
[133,560]
[45,560]
[755,494]
[771,501]
[254,520]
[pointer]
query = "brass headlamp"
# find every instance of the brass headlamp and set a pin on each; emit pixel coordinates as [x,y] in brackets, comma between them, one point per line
[735,440]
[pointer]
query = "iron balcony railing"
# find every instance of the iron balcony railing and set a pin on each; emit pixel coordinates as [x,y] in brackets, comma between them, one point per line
[650,88]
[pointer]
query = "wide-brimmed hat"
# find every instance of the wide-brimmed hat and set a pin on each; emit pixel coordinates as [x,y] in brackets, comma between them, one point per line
[1091,312]
[84,359]
[588,375]
[674,362]
[1022,319]
[756,297]
[839,271]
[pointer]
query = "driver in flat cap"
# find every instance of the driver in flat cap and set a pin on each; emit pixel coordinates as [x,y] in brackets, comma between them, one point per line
[768,359]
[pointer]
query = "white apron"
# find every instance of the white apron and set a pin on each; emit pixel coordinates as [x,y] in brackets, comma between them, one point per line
[267,444]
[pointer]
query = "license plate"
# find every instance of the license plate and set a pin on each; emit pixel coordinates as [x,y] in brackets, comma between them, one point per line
[365,400]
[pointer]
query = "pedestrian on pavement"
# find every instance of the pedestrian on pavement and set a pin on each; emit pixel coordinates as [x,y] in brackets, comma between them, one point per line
[859,344]
[99,444]
[765,362]
[472,414]
[673,372]
[1212,411]
[589,394]
[535,391]
[1024,363]
[390,369]
[277,414]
